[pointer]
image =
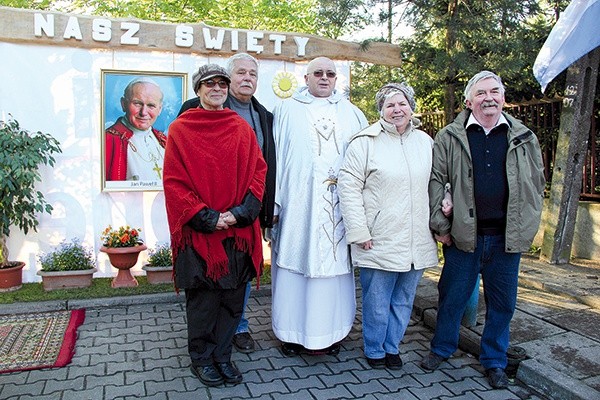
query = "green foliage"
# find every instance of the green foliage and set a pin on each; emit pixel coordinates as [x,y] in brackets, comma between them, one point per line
[21,154]
[71,256]
[338,17]
[160,256]
[277,15]
[37,4]
[367,79]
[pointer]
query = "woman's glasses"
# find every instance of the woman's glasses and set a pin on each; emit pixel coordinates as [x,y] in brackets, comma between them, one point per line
[211,84]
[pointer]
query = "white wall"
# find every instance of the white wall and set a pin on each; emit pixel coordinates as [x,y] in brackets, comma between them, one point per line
[57,90]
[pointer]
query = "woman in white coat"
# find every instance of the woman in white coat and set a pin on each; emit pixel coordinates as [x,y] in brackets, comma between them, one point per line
[385,207]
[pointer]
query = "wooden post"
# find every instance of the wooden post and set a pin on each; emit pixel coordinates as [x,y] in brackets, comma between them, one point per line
[571,152]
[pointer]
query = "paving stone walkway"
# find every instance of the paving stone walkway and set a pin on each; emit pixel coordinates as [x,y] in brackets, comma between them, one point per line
[135,348]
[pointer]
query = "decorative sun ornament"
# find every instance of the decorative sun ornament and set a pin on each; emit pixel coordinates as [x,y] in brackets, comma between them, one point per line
[284,84]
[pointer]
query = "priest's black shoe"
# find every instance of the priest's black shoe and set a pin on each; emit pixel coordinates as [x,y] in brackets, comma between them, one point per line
[207,374]
[229,372]
[291,349]
[243,342]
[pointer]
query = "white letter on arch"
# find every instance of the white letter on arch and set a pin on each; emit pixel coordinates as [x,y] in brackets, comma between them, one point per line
[130,28]
[72,30]
[184,36]
[235,46]
[101,30]
[277,39]
[213,43]
[252,42]
[46,25]
[301,42]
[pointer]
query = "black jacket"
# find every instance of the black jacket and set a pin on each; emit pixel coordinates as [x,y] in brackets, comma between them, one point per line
[266,124]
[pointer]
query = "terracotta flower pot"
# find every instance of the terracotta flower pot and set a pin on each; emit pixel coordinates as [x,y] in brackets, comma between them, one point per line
[53,280]
[157,275]
[11,278]
[123,259]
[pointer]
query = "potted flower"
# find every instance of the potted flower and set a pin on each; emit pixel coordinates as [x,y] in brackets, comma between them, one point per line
[159,268]
[123,246]
[21,154]
[70,265]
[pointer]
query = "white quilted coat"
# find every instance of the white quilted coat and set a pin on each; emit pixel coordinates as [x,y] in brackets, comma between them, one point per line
[383,192]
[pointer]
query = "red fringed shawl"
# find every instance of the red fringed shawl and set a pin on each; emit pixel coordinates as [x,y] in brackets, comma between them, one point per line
[212,159]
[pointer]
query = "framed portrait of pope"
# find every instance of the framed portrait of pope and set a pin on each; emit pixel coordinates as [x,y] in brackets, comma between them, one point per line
[137,109]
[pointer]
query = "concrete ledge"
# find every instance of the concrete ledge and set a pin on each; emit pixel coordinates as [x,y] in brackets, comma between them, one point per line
[34,307]
[106,302]
[582,297]
[553,383]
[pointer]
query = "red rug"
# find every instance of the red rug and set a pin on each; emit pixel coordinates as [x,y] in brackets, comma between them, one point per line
[41,340]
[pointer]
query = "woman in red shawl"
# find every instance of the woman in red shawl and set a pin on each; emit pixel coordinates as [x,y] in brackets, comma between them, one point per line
[214,177]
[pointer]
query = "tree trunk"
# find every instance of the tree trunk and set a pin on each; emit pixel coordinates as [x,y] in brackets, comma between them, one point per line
[3,250]
[451,71]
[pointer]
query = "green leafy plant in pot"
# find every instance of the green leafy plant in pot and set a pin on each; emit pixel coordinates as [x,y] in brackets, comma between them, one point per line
[22,152]
[70,265]
[159,268]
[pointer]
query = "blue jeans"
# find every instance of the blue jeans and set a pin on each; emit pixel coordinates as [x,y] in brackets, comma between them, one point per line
[243,325]
[387,300]
[500,274]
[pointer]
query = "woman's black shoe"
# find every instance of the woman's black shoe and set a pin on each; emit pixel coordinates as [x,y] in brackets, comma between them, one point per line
[393,361]
[291,349]
[207,374]
[376,363]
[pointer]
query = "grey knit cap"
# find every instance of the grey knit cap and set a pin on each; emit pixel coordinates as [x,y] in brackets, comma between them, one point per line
[390,89]
[206,72]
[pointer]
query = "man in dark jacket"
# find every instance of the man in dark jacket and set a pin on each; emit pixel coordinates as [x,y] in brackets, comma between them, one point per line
[243,70]
[493,164]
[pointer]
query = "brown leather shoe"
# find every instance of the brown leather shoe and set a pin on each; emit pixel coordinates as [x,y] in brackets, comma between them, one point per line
[243,342]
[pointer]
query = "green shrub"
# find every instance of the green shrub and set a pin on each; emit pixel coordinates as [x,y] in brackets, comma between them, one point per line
[160,256]
[71,256]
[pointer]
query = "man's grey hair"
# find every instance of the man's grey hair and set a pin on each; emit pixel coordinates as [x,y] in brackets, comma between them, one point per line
[478,77]
[240,56]
[130,85]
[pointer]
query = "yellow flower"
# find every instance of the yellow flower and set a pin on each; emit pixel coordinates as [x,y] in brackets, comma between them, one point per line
[284,84]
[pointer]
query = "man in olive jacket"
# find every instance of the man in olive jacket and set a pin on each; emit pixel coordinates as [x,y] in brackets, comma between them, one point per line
[494,166]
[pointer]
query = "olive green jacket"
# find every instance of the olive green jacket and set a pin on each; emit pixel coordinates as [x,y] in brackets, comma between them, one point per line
[452,164]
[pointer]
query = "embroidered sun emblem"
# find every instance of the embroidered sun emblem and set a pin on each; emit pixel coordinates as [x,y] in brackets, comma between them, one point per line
[284,84]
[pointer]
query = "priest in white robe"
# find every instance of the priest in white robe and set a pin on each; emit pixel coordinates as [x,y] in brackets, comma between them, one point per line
[313,289]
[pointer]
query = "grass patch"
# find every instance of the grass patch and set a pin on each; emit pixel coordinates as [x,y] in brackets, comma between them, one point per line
[34,292]
[31,292]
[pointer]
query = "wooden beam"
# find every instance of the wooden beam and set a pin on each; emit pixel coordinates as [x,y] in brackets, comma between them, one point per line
[83,31]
